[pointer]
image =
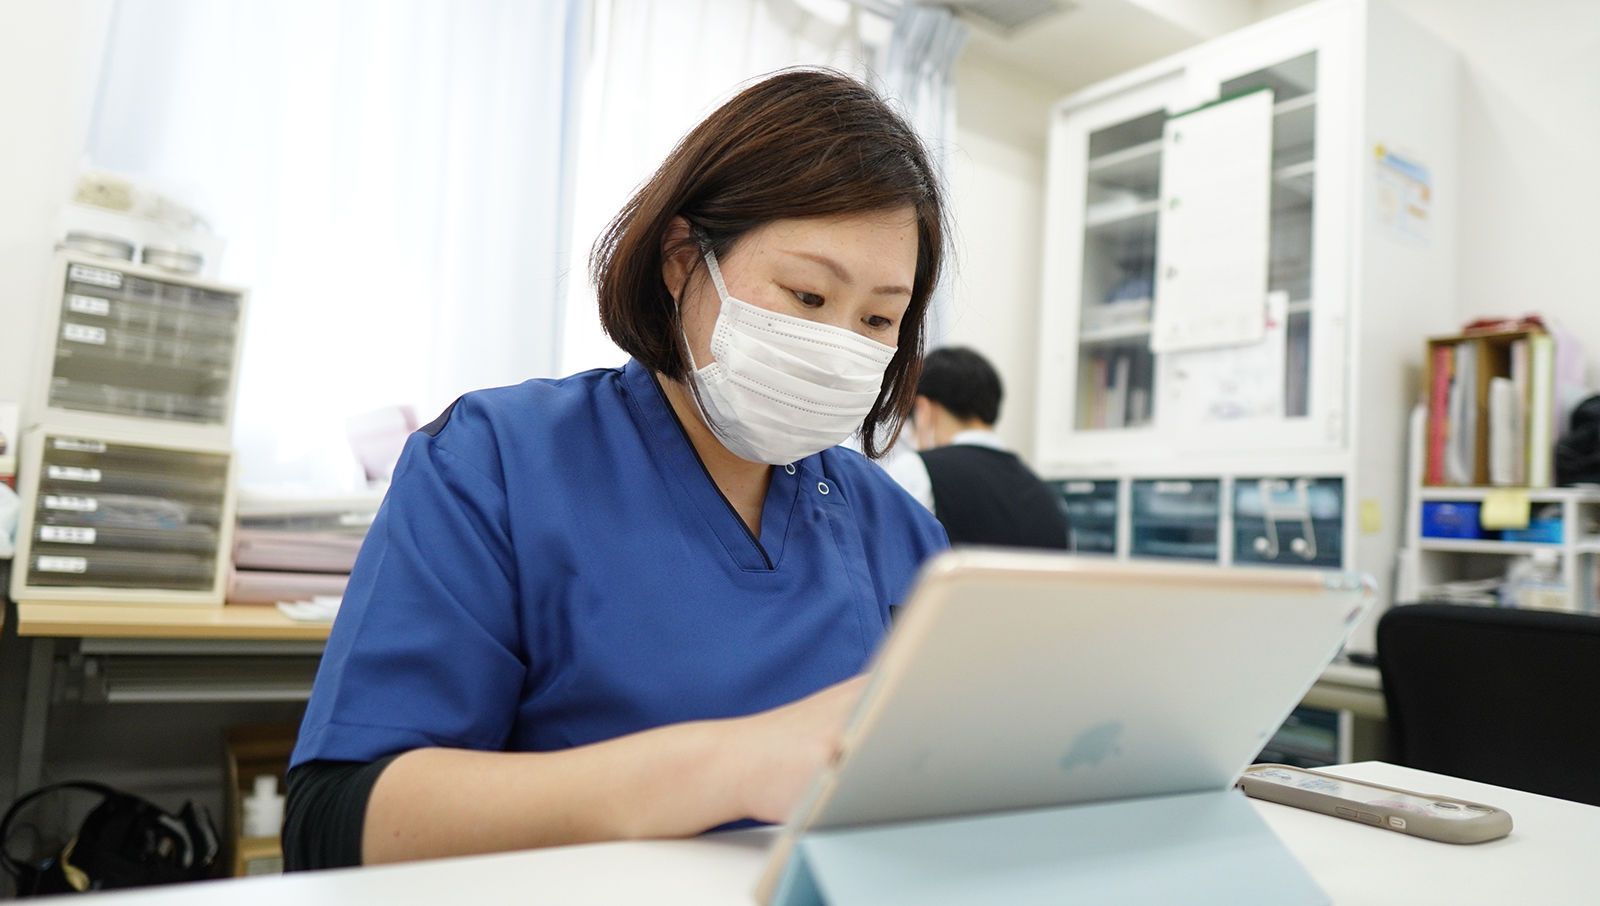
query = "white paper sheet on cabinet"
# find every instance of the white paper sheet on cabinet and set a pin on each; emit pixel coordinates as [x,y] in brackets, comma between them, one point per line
[1214,226]
[1235,382]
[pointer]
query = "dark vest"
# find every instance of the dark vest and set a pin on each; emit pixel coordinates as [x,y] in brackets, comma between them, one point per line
[987,496]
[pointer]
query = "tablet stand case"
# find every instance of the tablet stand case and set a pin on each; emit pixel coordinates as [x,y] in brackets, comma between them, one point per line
[1192,848]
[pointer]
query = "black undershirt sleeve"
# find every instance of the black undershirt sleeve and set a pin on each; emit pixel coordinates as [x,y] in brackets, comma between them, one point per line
[325,812]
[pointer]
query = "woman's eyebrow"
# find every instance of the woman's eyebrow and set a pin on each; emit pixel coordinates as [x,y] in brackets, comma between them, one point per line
[844,275]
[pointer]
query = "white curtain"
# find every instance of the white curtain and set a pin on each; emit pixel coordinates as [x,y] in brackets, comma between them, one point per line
[389,176]
[657,68]
[918,70]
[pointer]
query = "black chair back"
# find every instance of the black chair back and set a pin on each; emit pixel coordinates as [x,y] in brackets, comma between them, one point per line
[1501,696]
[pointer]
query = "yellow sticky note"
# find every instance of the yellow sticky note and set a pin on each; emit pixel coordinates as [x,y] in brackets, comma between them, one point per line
[1371,516]
[1505,508]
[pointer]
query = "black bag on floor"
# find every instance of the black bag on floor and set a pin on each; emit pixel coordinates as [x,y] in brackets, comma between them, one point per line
[1578,452]
[125,841]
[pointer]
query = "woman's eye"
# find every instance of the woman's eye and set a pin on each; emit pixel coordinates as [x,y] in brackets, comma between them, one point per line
[809,300]
[879,322]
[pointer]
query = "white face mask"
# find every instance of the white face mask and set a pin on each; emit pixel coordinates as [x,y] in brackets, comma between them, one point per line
[781,388]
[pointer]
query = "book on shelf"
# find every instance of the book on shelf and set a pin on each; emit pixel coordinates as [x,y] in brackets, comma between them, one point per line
[1519,424]
[1442,371]
[1461,452]
[1541,409]
[1502,437]
[1107,399]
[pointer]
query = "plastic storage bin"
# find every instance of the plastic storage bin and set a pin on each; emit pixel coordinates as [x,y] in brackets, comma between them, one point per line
[134,345]
[1091,506]
[1176,518]
[1539,530]
[1451,519]
[1289,521]
[110,517]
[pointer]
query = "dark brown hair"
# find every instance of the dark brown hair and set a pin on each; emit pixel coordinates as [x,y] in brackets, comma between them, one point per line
[803,143]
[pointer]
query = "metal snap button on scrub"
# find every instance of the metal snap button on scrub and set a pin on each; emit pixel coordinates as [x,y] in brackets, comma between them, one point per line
[822,487]
[789,468]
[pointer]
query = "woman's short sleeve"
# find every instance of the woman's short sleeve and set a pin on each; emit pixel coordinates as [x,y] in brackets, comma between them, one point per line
[426,648]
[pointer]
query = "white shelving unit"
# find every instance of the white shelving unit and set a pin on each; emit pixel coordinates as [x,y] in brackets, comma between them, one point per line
[1311,472]
[1426,562]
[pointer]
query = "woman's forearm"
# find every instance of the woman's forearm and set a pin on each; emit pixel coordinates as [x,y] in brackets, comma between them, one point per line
[672,781]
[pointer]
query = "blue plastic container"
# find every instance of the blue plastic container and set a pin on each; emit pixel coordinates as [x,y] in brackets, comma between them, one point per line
[1542,531]
[1451,519]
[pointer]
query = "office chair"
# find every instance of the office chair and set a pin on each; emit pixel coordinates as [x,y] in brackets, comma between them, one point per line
[1501,696]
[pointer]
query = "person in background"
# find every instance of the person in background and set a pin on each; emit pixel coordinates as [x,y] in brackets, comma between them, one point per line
[963,472]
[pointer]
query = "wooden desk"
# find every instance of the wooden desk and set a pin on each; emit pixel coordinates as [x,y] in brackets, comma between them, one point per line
[1548,859]
[142,629]
[136,621]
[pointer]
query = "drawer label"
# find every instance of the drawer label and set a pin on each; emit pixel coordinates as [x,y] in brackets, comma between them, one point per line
[71,504]
[66,534]
[79,446]
[83,333]
[89,305]
[1174,487]
[97,275]
[72,473]
[62,564]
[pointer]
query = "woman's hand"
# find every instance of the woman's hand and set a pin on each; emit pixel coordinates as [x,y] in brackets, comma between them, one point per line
[779,751]
[672,781]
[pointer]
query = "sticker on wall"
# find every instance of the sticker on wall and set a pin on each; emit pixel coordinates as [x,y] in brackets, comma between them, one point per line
[1402,200]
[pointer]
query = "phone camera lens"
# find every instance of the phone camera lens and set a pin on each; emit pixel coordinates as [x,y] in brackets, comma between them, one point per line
[1450,805]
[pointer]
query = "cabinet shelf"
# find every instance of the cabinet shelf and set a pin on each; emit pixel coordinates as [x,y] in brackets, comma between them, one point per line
[1535,495]
[1297,177]
[1122,215]
[1485,546]
[1295,104]
[1114,334]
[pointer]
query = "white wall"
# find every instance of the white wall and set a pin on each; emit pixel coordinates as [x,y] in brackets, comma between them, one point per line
[50,54]
[1530,140]
[996,193]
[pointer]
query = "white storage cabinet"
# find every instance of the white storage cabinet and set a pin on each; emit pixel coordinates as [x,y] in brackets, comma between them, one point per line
[1286,448]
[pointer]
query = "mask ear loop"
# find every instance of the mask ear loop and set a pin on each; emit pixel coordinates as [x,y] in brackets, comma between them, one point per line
[710,258]
[716,275]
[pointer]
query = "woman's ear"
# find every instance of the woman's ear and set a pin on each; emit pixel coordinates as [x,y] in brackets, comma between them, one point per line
[678,254]
[922,419]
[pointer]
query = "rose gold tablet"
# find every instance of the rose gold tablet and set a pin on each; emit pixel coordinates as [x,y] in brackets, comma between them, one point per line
[1025,680]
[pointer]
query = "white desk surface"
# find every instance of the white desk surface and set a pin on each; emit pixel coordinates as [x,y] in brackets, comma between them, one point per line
[1549,859]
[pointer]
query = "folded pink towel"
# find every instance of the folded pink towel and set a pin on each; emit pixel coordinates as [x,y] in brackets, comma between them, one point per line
[248,586]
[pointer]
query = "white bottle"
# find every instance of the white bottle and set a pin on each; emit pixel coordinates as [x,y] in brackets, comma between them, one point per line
[263,809]
[1535,583]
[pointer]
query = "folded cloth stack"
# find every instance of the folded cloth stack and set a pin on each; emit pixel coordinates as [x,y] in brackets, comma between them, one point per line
[270,566]
[298,550]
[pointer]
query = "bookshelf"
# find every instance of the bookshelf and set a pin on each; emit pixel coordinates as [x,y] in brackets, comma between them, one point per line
[1492,409]
[1281,444]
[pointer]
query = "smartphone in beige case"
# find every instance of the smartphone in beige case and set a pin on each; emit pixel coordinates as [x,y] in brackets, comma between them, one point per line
[1439,818]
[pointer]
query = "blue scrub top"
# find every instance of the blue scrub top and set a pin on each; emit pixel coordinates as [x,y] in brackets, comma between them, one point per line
[553,566]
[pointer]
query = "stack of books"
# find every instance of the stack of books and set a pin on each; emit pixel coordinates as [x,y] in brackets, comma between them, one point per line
[1108,397]
[1492,408]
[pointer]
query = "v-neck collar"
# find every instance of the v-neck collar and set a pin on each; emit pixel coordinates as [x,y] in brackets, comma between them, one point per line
[687,473]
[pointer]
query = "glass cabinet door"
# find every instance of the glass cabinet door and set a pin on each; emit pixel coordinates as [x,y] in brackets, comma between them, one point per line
[1116,369]
[1294,165]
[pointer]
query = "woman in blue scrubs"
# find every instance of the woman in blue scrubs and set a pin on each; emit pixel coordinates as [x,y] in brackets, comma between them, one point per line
[630,603]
